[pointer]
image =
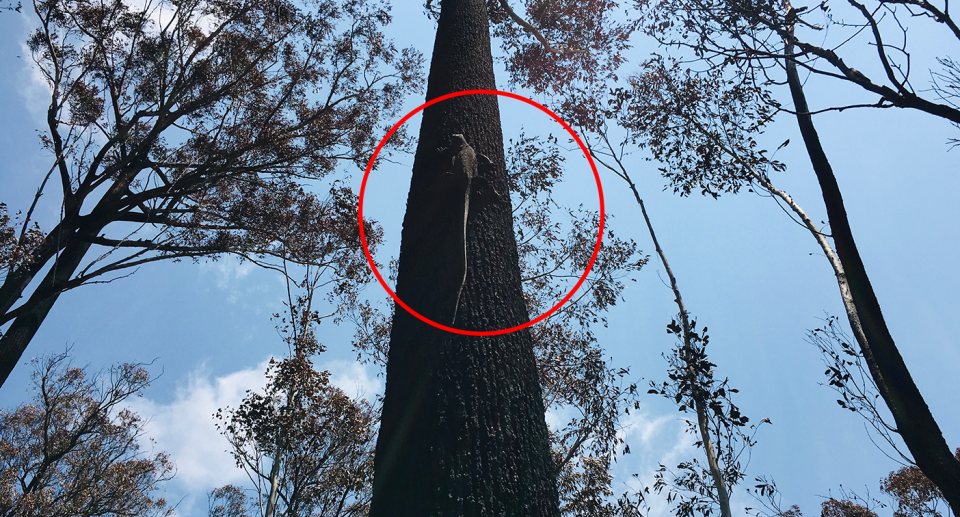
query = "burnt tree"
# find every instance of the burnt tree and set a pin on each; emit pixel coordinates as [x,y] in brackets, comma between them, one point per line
[463,430]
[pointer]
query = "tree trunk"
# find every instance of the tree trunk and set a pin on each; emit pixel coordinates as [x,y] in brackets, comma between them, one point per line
[15,340]
[723,495]
[915,423]
[462,430]
[17,280]
[274,482]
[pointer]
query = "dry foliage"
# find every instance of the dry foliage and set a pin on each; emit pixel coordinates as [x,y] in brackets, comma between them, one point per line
[914,494]
[305,445]
[191,128]
[76,449]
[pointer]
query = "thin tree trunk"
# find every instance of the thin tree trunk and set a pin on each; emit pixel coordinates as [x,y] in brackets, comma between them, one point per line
[274,482]
[723,496]
[915,423]
[462,430]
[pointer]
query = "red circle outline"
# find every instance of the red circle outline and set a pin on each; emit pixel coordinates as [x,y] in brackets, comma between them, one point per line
[363,237]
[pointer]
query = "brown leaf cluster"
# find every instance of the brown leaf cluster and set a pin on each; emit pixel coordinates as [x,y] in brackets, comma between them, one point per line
[585,42]
[303,442]
[76,450]
[915,495]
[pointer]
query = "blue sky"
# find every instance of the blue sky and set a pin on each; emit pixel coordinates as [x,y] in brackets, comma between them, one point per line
[749,273]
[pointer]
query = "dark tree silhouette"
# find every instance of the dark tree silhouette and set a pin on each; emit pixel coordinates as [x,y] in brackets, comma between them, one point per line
[193,138]
[575,378]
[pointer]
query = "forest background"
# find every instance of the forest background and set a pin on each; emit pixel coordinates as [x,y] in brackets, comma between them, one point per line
[755,278]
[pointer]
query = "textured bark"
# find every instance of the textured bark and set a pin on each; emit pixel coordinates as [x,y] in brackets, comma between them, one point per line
[915,423]
[462,430]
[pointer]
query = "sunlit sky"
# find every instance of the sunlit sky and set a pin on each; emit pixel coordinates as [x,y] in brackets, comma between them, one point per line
[749,273]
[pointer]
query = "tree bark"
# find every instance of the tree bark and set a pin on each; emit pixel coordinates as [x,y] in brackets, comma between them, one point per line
[274,483]
[462,430]
[915,423]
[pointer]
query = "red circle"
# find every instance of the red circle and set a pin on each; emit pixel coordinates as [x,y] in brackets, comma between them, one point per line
[363,237]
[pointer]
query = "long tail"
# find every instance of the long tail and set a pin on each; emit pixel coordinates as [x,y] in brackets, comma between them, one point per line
[466,213]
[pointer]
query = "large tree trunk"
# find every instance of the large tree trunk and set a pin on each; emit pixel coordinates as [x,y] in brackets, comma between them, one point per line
[914,421]
[463,430]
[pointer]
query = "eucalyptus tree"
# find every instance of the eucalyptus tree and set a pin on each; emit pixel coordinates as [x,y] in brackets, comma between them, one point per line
[76,448]
[703,125]
[189,129]
[463,429]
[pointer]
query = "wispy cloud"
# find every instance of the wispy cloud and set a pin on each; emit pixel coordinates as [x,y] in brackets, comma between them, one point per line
[644,429]
[32,87]
[241,281]
[228,270]
[355,379]
[654,440]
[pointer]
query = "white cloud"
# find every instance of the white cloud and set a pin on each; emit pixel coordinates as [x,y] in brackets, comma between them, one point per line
[228,270]
[185,430]
[653,440]
[641,426]
[354,379]
[558,416]
[31,85]
[185,427]
[241,281]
